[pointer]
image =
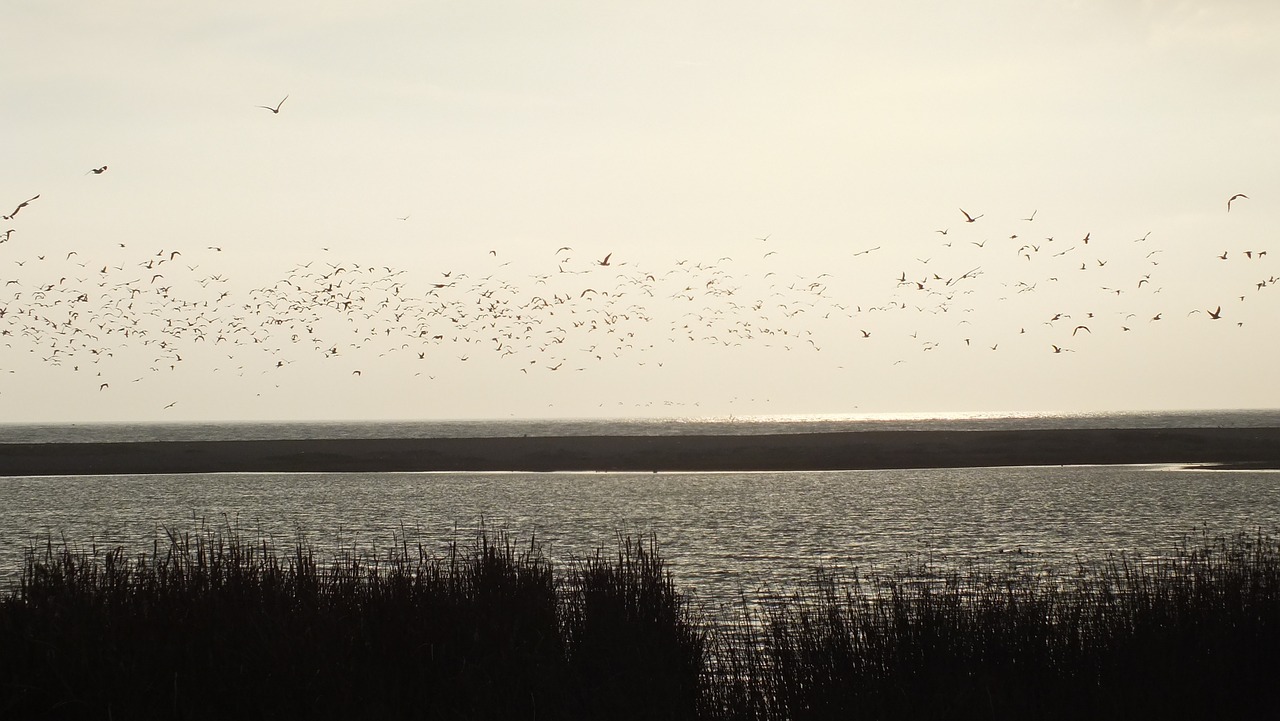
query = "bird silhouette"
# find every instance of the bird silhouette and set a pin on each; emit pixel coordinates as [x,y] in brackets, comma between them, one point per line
[96,171]
[970,218]
[21,205]
[276,109]
[1237,195]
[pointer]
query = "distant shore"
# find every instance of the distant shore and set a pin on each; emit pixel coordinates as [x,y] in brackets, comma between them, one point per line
[1229,447]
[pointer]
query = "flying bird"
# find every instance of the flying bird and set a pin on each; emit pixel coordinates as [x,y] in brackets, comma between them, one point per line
[970,218]
[21,205]
[605,261]
[1215,314]
[1237,195]
[96,171]
[276,109]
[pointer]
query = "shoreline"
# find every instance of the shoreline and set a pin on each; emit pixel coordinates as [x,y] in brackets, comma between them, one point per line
[1254,448]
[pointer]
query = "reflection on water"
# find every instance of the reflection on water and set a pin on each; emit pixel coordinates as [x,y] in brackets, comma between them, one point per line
[728,425]
[722,533]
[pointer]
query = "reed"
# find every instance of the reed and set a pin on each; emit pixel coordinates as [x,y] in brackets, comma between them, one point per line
[216,624]
[1193,634]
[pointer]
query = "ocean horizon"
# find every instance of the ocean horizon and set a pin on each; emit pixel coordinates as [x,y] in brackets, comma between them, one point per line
[127,431]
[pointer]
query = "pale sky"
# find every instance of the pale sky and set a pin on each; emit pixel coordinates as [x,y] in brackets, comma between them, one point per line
[766,180]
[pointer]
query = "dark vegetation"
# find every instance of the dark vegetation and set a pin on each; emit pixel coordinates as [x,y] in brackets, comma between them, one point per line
[217,626]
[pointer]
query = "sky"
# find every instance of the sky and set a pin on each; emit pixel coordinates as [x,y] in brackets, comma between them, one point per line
[585,209]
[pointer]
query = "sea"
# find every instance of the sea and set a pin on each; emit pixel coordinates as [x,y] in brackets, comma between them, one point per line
[725,536]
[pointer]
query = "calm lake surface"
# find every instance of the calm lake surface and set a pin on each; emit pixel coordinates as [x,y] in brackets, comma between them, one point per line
[723,534]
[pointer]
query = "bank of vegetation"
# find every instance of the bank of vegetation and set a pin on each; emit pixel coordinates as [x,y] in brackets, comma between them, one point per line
[214,625]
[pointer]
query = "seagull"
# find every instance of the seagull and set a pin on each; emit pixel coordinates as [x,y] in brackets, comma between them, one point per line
[21,205]
[1033,216]
[1215,314]
[1079,328]
[605,261]
[96,171]
[276,109]
[970,218]
[1237,195]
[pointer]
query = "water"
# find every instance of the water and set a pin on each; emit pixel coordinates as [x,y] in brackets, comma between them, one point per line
[728,425]
[723,533]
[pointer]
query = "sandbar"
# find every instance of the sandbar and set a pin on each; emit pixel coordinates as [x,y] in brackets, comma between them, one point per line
[853,450]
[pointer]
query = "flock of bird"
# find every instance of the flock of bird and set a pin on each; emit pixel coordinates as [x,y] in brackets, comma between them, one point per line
[121,315]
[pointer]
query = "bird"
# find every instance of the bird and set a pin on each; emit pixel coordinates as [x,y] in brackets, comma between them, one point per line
[970,218]
[276,109]
[605,261]
[1215,314]
[21,205]
[96,171]
[1033,216]
[1078,328]
[1237,195]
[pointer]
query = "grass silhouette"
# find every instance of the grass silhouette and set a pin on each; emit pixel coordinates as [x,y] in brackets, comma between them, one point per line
[214,624]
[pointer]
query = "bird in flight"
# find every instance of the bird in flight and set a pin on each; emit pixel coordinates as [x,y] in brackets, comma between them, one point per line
[605,261]
[970,218]
[1215,314]
[96,171]
[1237,195]
[21,205]
[276,109]
[1033,216]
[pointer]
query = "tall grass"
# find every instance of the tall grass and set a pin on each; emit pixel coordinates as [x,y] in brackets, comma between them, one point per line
[218,625]
[1194,634]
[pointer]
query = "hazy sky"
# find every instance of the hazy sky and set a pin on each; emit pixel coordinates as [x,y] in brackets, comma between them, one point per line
[767,182]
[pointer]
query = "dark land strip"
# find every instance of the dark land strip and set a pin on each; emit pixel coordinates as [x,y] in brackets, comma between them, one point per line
[1229,447]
